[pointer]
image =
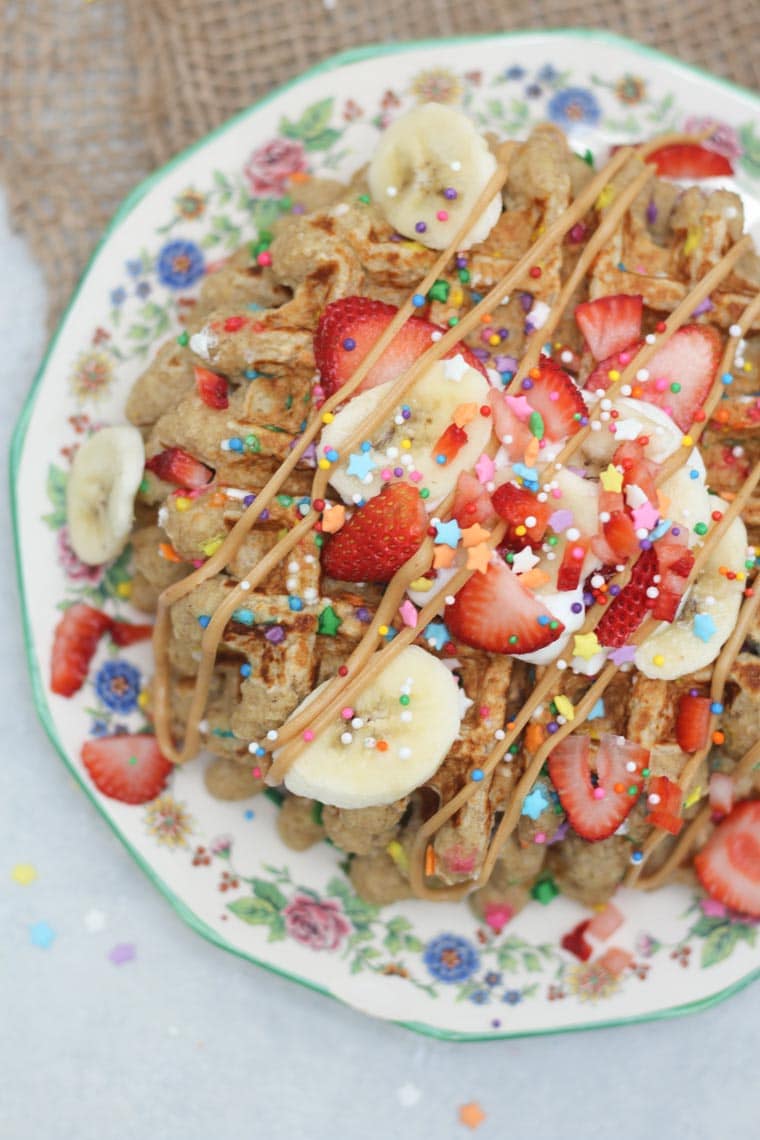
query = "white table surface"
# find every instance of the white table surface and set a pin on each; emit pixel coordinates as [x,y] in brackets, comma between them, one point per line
[186,1042]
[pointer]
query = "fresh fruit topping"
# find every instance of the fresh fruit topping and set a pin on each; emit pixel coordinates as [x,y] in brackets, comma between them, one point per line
[513,433]
[610,324]
[127,633]
[620,534]
[175,466]
[556,397]
[348,329]
[728,866]
[494,612]
[609,370]
[597,803]
[212,389]
[681,373]
[378,538]
[675,563]
[692,722]
[75,641]
[127,768]
[100,493]
[637,470]
[721,793]
[472,503]
[664,800]
[626,612]
[448,446]
[527,518]
[689,160]
[575,942]
[569,573]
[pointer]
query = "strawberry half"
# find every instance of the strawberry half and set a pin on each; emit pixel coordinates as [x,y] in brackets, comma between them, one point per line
[689,160]
[175,466]
[637,469]
[675,561]
[620,535]
[556,397]
[472,503]
[348,329]
[597,804]
[664,804]
[127,768]
[516,504]
[626,612]
[75,640]
[610,324]
[212,389]
[688,361]
[692,722]
[378,538]
[728,866]
[127,633]
[600,379]
[494,612]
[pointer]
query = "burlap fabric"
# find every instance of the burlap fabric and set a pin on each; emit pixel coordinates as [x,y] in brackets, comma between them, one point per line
[95,95]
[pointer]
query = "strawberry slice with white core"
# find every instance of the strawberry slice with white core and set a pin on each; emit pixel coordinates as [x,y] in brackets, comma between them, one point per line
[75,641]
[130,768]
[610,324]
[689,161]
[682,372]
[472,503]
[494,612]
[609,370]
[728,866]
[596,804]
[176,466]
[556,397]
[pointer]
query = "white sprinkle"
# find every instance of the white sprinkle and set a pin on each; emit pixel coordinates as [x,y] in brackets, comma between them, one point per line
[369,742]
[272,734]
[357,722]
[392,453]
[293,567]
[561,720]
[626,390]
[449,599]
[642,375]
[391,191]
[436,335]
[499,734]
[310,594]
[735,330]
[573,534]
[340,210]
[653,798]
[202,726]
[561,664]
[630,766]
[456,165]
[595,425]
[291,585]
[309,559]
[404,753]
[245,584]
[606,405]
[604,516]
[566,357]
[346,738]
[597,581]
[652,592]
[356,499]
[398,420]
[531,521]
[642,532]
[650,338]
[253,747]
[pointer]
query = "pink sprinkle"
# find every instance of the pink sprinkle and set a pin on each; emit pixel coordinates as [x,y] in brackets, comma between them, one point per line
[308,734]
[554,396]
[485,468]
[347,713]
[385,474]
[485,711]
[442,216]
[256,773]
[497,915]
[598,793]
[660,385]
[539,837]
[264,258]
[408,612]
[624,357]
[415,476]
[556,493]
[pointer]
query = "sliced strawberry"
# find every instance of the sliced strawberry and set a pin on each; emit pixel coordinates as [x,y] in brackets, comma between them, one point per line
[600,378]
[75,640]
[722,790]
[516,504]
[637,469]
[569,573]
[575,942]
[689,359]
[127,768]
[626,612]
[472,503]
[348,329]
[378,538]
[493,611]
[450,443]
[212,389]
[728,866]
[665,811]
[689,160]
[610,324]
[507,426]
[596,804]
[692,722]
[557,398]
[675,562]
[175,466]
[127,633]
[620,534]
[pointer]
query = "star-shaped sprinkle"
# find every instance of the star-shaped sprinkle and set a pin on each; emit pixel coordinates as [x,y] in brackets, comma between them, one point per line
[443,556]
[611,479]
[565,707]
[436,634]
[42,935]
[474,534]
[704,627]
[597,711]
[520,406]
[122,952]
[464,414]
[534,578]
[535,802]
[447,532]
[524,561]
[333,518]
[485,468]
[586,645]
[623,655]
[560,520]
[360,463]
[645,516]
[634,496]
[528,475]
[328,622]
[408,613]
[408,1095]
[455,368]
[478,557]
[471,1115]
[24,874]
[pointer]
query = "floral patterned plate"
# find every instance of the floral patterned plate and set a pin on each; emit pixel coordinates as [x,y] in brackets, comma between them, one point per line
[222,865]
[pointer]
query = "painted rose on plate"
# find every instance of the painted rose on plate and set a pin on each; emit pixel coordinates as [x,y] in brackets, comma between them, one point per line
[319,925]
[270,166]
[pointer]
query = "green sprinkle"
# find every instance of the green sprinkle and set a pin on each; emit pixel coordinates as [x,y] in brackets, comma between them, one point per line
[328,622]
[545,890]
[403,699]
[513,639]
[553,625]
[552,540]
[514,749]
[285,500]
[183,339]
[424,493]
[452,321]
[675,386]
[145,484]
[364,198]
[439,290]
[316,813]
[701,528]
[633,790]
[319,540]
[252,442]
[463,275]
[536,425]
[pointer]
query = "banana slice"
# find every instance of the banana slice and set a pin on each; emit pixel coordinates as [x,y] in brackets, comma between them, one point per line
[388,745]
[409,437]
[105,475]
[635,418]
[708,613]
[427,172]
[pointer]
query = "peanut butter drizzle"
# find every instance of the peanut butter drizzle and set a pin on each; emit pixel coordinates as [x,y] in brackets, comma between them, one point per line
[233,541]
[343,688]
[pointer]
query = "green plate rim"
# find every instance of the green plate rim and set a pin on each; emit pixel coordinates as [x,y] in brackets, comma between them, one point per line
[342,59]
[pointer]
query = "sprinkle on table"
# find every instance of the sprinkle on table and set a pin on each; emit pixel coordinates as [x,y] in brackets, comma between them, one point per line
[122,952]
[471,1115]
[42,935]
[24,874]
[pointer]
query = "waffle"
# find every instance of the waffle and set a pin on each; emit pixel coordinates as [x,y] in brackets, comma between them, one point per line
[271,654]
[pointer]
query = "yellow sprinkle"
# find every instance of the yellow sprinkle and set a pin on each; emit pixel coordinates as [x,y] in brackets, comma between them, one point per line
[693,797]
[406,444]
[124,589]
[693,238]
[143,699]
[324,464]
[658,659]
[383,629]
[182,503]
[606,197]
[586,645]
[613,374]
[687,441]
[23,874]
[565,707]
[495,339]
[422,585]
[611,479]
[747,366]
[739,576]
[327,417]
[397,854]
[520,530]
[211,546]
[456,297]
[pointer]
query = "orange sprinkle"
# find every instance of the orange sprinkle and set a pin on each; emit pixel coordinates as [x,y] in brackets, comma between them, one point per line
[535,373]
[167,551]
[721,416]
[618,788]
[299,176]
[382,745]
[718,737]
[429,860]
[534,578]
[535,735]
[531,452]
[486,319]
[636,393]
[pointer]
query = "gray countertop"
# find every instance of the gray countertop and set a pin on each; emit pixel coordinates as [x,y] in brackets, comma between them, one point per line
[184,1042]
